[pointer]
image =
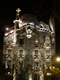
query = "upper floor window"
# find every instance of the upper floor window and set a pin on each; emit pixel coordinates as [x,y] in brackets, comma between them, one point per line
[9,52]
[36,53]
[47,39]
[20,53]
[21,41]
[47,52]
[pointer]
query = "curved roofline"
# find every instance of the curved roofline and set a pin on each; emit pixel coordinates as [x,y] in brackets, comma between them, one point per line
[37,27]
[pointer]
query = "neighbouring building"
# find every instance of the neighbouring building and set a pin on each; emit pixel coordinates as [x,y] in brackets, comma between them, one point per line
[28,48]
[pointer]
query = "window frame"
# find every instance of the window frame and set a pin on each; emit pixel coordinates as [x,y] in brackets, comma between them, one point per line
[22,42]
[46,52]
[6,64]
[38,52]
[36,66]
[22,54]
[8,53]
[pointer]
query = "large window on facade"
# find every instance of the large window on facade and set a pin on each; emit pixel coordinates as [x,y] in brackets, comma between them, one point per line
[36,64]
[9,63]
[47,64]
[9,52]
[20,53]
[21,64]
[47,52]
[36,52]
[21,41]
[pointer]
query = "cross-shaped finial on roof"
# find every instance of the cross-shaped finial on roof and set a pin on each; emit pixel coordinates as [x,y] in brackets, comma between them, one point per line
[18,10]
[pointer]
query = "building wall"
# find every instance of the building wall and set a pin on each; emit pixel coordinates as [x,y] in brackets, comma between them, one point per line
[29,49]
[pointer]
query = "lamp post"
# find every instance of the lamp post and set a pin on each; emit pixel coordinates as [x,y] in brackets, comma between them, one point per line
[58,59]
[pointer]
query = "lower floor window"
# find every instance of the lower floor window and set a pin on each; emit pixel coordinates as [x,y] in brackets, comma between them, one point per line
[9,52]
[21,64]
[36,64]
[9,63]
[47,64]
[36,52]
[47,52]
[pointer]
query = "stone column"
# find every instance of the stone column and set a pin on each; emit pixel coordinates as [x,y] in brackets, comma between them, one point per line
[14,74]
[30,76]
[42,77]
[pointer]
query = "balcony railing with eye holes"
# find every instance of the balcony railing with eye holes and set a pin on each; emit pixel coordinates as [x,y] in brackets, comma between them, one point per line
[36,56]
[21,56]
[8,55]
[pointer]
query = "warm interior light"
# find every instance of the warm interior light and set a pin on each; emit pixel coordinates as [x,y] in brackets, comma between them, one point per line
[36,41]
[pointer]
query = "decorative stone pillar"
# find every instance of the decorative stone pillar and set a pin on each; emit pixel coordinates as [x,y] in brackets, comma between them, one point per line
[14,74]
[30,76]
[42,76]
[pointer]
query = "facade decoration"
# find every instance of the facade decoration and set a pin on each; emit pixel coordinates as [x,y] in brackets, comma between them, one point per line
[28,48]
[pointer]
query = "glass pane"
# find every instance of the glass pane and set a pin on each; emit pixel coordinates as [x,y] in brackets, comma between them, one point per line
[36,64]
[21,41]
[36,52]
[9,51]
[47,52]
[9,63]
[20,52]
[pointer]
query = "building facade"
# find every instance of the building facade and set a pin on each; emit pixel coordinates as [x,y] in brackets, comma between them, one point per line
[28,48]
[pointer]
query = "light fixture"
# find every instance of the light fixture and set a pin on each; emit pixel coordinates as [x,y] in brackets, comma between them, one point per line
[58,59]
[48,74]
[30,77]
[11,31]
[36,41]
[6,34]
[7,28]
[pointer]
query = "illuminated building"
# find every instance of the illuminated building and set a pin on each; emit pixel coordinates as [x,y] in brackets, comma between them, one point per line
[28,48]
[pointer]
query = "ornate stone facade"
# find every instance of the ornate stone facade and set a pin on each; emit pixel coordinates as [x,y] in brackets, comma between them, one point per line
[28,48]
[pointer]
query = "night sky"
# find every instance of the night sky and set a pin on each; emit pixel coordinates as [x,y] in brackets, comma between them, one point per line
[42,9]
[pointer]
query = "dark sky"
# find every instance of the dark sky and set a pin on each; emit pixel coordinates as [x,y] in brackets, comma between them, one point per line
[43,9]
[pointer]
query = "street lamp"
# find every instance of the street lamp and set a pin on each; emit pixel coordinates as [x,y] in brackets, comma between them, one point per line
[58,59]
[48,74]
